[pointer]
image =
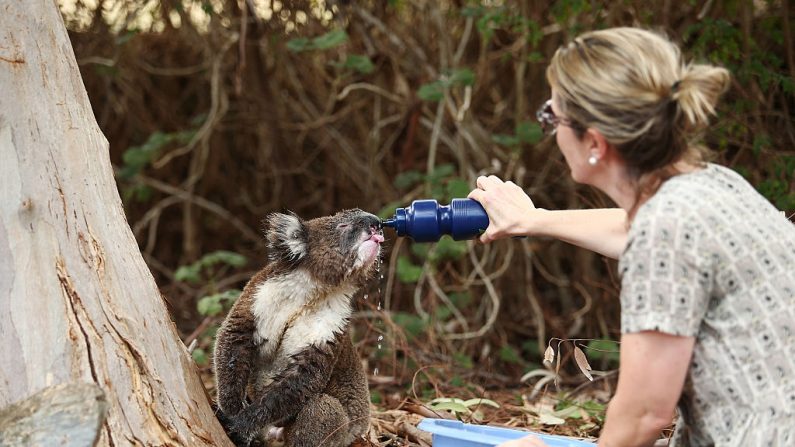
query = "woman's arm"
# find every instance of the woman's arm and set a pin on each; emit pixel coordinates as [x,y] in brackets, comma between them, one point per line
[512,213]
[650,382]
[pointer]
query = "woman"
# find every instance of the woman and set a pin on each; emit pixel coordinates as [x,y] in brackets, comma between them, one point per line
[707,265]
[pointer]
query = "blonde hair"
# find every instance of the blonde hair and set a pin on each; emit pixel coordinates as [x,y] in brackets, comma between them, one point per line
[633,87]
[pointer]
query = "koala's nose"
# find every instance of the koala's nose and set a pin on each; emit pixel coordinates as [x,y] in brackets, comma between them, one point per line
[371,221]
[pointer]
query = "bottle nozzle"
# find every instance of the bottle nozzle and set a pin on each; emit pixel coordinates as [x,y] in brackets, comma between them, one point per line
[391,222]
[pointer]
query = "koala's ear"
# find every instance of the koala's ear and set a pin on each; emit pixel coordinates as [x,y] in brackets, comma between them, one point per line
[287,237]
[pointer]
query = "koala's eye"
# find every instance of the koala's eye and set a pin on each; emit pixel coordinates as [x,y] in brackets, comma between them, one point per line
[342,226]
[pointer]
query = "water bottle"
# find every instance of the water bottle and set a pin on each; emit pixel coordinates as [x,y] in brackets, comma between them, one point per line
[427,221]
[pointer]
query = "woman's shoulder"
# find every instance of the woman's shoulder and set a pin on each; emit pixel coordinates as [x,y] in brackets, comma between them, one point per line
[700,191]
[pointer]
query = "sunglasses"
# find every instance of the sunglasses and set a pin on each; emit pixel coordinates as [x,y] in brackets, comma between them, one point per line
[549,121]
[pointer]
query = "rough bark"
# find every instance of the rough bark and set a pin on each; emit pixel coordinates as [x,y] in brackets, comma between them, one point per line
[77,302]
[69,414]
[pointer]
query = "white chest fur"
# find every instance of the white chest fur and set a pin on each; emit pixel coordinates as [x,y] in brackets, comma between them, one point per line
[295,299]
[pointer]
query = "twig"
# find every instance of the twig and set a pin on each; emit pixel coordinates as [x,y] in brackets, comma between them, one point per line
[370,87]
[202,203]
[495,300]
[538,311]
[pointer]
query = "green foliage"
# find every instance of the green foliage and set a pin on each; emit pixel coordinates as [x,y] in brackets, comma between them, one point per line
[445,249]
[444,185]
[565,10]
[326,41]
[778,186]
[463,360]
[491,19]
[388,210]
[461,407]
[603,349]
[215,304]
[407,272]
[525,132]
[407,179]
[376,397]
[434,91]
[411,324]
[135,158]
[509,354]
[192,273]
[200,357]
[571,409]
[359,63]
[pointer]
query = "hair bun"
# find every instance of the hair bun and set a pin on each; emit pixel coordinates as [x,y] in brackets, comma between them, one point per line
[698,91]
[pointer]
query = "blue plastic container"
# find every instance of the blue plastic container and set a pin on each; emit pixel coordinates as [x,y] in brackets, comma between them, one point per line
[428,221]
[448,433]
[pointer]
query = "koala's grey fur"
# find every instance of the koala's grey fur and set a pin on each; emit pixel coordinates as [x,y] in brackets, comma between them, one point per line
[283,356]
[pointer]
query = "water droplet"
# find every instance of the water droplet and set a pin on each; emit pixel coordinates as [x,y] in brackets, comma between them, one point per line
[379,306]
[365,296]
[375,372]
[379,345]
[380,337]
[382,276]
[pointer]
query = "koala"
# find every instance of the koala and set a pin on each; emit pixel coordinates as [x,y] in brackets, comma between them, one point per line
[283,356]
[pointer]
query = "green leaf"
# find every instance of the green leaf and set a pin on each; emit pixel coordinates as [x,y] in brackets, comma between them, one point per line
[455,407]
[200,357]
[478,402]
[505,140]
[406,271]
[457,188]
[412,324]
[461,76]
[331,39]
[222,257]
[463,360]
[457,381]
[359,63]
[461,299]
[572,412]
[407,179]
[187,273]
[603,349]
[389,209]
[210,306]
[534,57]
[510,355]
[529,132]
[421,250]
[442,313]
[447,248]
[299,44]
[433,91]
[440,172]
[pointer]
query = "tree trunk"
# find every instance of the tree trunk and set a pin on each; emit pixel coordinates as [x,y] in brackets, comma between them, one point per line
[77,302]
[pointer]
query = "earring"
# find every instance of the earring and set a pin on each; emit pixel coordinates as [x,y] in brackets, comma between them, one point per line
[592,160]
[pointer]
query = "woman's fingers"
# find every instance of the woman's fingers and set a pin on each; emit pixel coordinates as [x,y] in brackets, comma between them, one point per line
[491,181]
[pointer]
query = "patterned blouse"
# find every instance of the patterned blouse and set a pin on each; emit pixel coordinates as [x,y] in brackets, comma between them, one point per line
[709,257]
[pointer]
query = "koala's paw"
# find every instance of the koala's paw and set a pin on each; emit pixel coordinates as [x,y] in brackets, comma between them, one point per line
[245,427]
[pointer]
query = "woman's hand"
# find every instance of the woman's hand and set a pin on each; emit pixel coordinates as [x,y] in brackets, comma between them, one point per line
[527,441]
[509,208]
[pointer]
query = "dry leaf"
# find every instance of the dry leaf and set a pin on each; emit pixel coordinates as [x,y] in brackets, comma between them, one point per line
[550,419]
[549,356]
[557,369]
[582,362]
